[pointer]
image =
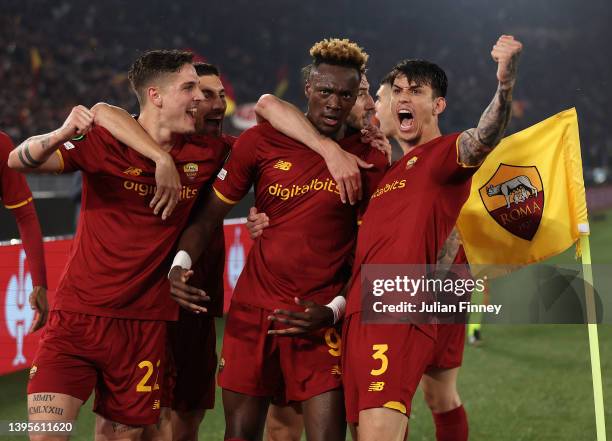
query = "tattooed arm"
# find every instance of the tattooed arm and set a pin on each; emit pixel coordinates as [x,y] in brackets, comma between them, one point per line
[475,144]
[36,154]
[448,252]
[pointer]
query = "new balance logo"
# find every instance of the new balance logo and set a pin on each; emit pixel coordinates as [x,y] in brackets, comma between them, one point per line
[376,386]
[282,165]
[336,370]
[133,171]
[156,405]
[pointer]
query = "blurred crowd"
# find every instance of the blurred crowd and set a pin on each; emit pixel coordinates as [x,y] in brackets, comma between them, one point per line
[60,53]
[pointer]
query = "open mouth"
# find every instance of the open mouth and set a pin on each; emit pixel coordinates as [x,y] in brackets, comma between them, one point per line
[213,121]
[192,113]
[406,119]
[330,120]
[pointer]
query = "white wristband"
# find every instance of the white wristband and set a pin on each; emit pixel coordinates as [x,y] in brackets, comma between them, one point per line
[181,259]
[338,305]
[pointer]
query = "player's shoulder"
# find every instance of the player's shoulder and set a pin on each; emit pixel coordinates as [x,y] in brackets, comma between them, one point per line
[353,144]
[229,140]
[6,145]
[256,134]
[97,134]
[203,146]
[262,129]
[445,141]
[436,148]
[202,141]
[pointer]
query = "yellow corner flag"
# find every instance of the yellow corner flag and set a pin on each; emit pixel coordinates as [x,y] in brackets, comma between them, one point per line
[527,201]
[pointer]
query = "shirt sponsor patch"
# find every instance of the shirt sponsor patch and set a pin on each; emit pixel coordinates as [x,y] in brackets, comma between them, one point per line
[68,145]
[222,174]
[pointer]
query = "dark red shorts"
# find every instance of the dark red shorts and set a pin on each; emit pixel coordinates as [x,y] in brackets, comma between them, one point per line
[448,352]
[283,368]
[122,359]
[192,363]
[382,365]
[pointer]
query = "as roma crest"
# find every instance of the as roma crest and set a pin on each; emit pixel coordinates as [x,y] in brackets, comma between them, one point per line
[514,197]
[190,170]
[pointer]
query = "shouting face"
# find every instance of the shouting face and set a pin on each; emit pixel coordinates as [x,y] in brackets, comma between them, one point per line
[415,111]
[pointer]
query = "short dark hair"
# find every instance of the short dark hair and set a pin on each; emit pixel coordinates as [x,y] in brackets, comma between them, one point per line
[388,79]
[422,73]
[205,69]
[153,64]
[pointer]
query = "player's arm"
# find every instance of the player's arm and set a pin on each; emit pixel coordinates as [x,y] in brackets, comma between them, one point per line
[17,197]
[127,130]
[289,120]
[31,238]
[475,144]
[448,252]
[207,221]
[37,154]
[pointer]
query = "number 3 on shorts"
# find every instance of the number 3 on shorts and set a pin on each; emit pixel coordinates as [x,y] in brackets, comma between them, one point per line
[142,386]
[379,354]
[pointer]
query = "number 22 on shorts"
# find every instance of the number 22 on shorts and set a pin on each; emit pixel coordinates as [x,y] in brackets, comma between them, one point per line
[379,354]
[143,386]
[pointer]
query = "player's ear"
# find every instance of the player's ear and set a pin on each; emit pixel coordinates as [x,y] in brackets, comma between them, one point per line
[439,105]
[154,96]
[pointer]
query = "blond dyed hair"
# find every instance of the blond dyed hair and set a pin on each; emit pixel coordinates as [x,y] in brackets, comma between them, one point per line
[342,52]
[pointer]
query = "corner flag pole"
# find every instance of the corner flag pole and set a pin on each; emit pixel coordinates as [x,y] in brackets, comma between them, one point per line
[600,421]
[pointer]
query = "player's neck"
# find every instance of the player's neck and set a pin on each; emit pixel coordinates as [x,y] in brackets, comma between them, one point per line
[428,134]
[404,146]
[162,136]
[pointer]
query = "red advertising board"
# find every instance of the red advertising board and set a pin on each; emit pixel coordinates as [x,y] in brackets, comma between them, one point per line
[17,346]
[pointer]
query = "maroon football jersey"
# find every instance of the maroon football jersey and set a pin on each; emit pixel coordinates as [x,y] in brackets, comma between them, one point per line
[305,250]
[412,212]
[121,253]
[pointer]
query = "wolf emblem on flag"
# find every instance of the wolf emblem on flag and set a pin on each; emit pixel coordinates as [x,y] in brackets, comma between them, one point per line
[514,197]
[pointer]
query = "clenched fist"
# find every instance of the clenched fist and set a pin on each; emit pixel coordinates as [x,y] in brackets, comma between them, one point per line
[506,53]
[79,122]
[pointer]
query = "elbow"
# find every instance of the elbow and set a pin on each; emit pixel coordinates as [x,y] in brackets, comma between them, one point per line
[99,110]
[264,105]
[14,162]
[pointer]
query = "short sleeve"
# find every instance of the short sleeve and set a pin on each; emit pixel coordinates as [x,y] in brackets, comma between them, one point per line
[450,170]
[14,189]
[236,177]
[88,152]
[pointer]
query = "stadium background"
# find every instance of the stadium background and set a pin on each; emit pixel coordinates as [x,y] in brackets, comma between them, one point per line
[526,382]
